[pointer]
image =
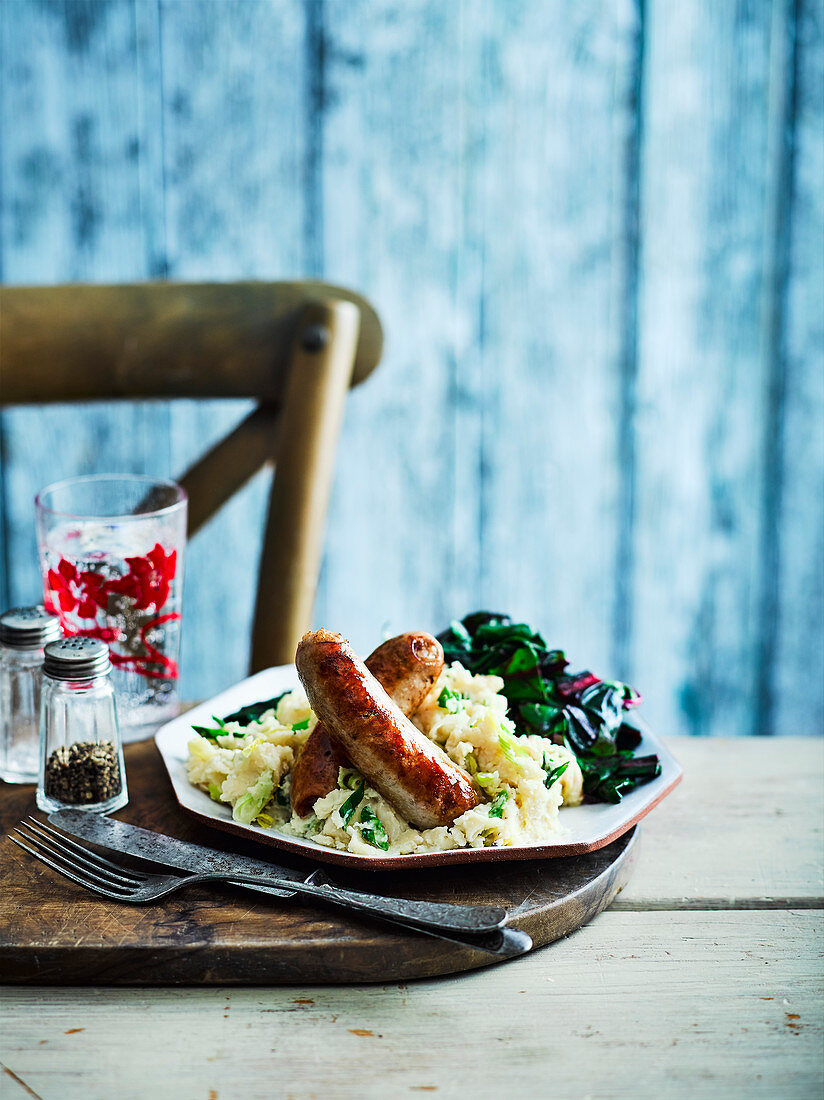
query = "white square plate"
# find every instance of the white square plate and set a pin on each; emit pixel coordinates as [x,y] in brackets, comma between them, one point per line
[589,827]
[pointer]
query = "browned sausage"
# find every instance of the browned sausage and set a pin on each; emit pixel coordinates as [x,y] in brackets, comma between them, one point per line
[406,667]
[408,769]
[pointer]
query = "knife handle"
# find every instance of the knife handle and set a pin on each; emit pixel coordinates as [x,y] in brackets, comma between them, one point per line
[467,919]
[506,943]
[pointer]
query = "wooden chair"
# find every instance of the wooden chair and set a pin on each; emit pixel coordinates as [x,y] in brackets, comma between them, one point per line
[294,346]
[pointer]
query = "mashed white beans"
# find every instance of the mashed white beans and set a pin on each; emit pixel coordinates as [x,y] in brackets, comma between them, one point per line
[249,767]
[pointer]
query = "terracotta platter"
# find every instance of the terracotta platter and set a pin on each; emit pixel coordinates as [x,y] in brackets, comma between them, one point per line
[588,827]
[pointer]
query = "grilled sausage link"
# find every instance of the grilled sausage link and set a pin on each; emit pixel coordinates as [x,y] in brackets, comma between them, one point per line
[408,769]
[406,667]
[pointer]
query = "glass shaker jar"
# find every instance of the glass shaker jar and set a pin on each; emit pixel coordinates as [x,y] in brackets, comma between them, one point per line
[81,754]
[24,631]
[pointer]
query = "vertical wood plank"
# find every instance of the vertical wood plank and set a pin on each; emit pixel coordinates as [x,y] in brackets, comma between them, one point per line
[82,200]
[233,112]
[395,153]
[798,683]
[478,150]
[702,375]
[557,100]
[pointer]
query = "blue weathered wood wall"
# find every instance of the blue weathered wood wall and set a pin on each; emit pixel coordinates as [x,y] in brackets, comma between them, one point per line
[595,233]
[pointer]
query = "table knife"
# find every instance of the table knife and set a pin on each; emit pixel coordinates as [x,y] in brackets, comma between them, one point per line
[481,923]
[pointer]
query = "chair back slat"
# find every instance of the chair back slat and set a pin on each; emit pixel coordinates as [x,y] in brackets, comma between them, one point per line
[295,346]
[164,340]
[222,471]
[311,419]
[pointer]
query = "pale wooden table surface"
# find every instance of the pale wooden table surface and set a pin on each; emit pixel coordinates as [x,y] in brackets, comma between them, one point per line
[703,979]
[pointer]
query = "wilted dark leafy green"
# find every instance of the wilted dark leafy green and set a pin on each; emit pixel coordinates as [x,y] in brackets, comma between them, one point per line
[576,709]
[250,713]
[553,774]
[608,778]
[253,711]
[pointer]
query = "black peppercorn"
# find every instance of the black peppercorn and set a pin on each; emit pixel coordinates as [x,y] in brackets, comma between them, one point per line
[87,771]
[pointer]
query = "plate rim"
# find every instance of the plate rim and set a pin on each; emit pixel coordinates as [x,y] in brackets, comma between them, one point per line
[413,860]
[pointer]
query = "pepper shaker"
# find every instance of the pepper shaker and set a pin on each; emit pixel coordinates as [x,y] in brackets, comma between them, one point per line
[81,754]
[24,631]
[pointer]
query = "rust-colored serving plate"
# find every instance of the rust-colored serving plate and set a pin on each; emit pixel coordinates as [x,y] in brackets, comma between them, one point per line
[588,827]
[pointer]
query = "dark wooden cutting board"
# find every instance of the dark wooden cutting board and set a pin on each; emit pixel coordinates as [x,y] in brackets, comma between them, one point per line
[53,932]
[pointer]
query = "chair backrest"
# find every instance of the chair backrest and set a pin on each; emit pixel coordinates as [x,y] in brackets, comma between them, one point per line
[294,346]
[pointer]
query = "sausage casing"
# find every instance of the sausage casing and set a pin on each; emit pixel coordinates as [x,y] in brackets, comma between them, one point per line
[408,769]
[406,667]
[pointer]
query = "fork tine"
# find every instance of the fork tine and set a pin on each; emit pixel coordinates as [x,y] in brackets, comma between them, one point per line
[62,870]
[73,864]
[61,841]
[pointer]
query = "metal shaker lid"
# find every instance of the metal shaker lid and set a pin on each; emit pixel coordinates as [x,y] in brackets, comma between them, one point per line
[76,658]
[28,627]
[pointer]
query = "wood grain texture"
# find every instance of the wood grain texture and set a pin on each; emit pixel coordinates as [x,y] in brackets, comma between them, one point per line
[702,383]
[233,157]
[799,584]
[551,240]
[512,461]
[82,184]
[745,829]
[54,932]
[393,156]
[595,232]
[714,1004]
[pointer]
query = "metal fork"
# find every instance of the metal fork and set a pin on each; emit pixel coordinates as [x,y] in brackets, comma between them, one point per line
[101,876]
[117,883]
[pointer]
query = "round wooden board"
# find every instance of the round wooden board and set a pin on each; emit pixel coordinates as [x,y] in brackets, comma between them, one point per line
[53,932]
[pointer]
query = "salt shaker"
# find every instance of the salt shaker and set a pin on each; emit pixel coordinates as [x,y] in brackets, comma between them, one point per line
[81,754]
[24,631]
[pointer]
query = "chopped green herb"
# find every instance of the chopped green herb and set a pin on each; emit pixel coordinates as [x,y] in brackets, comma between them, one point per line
[352,803]
[498,803]
[486,780]
[372,829]
[553,774]
[212,734]
[450,700]
[510,747]
[304,725]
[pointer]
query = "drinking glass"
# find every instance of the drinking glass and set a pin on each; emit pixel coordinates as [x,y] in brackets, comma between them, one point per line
[111,554]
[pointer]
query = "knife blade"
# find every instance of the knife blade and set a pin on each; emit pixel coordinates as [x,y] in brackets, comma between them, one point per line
[477,921]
